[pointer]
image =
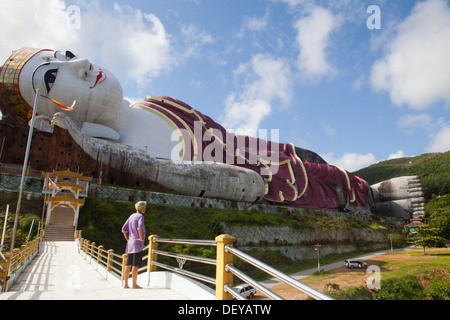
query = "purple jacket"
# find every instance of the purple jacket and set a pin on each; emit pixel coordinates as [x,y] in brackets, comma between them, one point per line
[132,226]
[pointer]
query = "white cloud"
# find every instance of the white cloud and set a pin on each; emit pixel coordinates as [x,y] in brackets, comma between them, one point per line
[256,23]
[313,36]
[196,84]
[266,79]
[328,129]
[133,100]
[441,140]
[397,155]
[291,3]
[194,40]
[132,44]
[253,24]
[350,161]
[39,23]
[415,70]
[243,115]
[359,83]
[409,123]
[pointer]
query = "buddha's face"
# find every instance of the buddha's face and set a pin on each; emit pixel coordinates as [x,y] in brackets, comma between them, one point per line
[65,77]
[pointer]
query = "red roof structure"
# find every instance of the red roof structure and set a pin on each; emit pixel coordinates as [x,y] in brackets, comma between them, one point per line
[416,224]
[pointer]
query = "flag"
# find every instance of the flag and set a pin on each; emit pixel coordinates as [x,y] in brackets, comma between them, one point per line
[59,104]
[52,184]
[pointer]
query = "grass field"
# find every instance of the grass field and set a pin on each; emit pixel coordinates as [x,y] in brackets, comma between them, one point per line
[405,275]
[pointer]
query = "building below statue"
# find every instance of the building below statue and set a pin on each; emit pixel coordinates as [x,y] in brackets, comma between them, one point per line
[58,151]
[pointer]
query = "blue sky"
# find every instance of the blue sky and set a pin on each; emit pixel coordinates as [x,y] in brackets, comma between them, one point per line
[313,70]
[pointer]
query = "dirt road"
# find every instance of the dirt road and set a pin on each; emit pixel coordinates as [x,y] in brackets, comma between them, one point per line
[342,277]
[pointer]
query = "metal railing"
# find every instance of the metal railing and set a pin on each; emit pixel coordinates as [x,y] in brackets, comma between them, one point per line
[225,270]
[113,263]
[11,266]
[311,292]
[181,258]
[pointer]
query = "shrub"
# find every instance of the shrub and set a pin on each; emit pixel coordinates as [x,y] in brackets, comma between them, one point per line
[405,288]
[438,289]
[352,293]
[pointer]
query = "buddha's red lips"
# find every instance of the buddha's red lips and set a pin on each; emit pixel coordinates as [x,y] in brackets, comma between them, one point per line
[100,78]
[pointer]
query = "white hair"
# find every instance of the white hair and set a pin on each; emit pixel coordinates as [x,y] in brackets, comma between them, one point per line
[140,205]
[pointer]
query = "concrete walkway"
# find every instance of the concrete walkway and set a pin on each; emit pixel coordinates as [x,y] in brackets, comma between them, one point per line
[58,272]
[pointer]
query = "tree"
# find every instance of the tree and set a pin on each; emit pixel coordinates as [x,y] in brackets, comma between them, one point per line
[427,237]
[440,219]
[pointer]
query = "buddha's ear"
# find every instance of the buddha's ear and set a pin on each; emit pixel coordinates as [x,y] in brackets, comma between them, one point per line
[42,123]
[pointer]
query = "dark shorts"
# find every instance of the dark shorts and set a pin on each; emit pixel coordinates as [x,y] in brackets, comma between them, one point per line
[135,259]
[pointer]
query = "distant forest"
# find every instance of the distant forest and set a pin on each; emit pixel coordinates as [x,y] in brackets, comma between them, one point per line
[432,168]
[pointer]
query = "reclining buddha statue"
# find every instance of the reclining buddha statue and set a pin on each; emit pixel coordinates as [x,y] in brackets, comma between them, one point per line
[168,141]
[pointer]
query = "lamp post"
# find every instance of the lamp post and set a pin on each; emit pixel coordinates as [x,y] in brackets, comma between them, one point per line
[25,161]
[390,238]
[318,256]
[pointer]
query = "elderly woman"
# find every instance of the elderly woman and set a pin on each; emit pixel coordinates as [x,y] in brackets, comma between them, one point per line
[134,232]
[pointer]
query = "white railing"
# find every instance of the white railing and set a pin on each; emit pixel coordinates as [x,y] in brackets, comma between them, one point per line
[223,261]
[225,270]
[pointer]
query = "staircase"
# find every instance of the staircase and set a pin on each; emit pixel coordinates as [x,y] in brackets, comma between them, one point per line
[61,225]
[59,233]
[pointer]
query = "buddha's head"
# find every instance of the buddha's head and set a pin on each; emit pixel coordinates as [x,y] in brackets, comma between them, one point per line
[64,77]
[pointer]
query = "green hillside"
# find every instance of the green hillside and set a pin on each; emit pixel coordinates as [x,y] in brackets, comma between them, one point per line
[433,169]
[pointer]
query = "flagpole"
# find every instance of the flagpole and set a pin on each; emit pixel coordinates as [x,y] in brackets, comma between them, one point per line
[4,228]
[25,161]
[1,151]
[29,233]
[45,201]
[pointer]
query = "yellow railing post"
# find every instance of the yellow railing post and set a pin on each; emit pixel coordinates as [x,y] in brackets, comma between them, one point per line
[82,242]
[109,261]
[92,249]
[100,249]
[4,270]
[223,258]
[87,245]
[29,251]
[151,256]
[15,258]
[22,258]
[124,262]
[32,248]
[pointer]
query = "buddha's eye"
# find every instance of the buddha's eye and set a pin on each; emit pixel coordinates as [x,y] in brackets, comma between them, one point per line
[50,78]
[61,55]
[69,55]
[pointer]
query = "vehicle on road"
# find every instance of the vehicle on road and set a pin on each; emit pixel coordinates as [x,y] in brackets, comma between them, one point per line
[350,263]
[245,290]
